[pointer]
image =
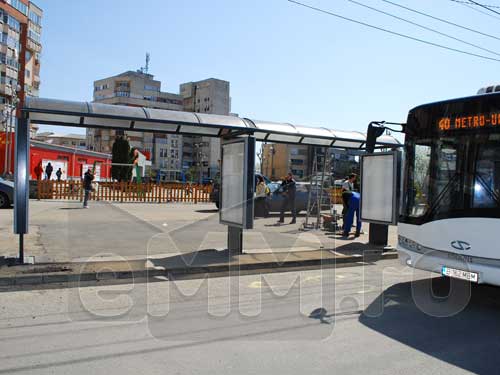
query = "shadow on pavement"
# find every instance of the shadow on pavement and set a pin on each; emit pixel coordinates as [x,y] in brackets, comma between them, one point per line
[214,211]
[195,259]
[467,339]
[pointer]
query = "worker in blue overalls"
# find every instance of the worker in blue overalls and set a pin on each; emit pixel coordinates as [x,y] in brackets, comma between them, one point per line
[353,208]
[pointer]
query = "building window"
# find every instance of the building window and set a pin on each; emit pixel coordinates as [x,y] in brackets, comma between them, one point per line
[9,61]
[11,42]
[151,88]
[28,73]
[122,93]
[103,87]
[297,161]
[35,18]
[11,21]
[23,8]
[33,35]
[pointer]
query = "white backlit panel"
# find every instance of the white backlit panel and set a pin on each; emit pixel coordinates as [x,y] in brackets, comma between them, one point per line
[378,174]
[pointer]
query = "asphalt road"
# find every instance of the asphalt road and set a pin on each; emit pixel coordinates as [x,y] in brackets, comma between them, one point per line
[364,319]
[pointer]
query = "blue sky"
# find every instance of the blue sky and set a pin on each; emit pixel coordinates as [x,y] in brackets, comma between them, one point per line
[285,63]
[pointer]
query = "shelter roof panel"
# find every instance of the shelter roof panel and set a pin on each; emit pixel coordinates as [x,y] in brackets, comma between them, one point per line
[60,112]
[116,111]
[171,116]
[220,121]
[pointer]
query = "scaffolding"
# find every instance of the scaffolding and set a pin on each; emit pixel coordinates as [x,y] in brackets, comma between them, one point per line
[317,203]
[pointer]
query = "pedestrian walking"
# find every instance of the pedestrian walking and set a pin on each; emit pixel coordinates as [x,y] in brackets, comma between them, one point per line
[88,177]
[261,202]
[354,201]
[289,188]
[59,174]
[48,170]
[39,171]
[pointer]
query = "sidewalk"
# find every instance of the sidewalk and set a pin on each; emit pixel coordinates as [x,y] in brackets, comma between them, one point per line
[197,264]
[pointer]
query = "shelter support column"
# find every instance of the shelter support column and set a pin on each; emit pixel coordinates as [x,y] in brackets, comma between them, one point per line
[235,240]
[21,182]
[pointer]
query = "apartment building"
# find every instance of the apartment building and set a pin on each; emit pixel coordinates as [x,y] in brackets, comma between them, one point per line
[68,140]
[140,89]
[172,155]
[20,48]
[207,96]
[279,159]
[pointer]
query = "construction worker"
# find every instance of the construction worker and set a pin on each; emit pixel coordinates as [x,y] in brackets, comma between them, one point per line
[353,208]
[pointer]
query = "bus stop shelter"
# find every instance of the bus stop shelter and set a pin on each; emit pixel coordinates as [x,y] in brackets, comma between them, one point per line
[43,111]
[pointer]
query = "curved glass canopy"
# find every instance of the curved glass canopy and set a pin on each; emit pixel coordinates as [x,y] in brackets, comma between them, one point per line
[98,115]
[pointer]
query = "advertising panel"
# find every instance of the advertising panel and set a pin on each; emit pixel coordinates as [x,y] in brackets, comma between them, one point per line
[380,184]
[237,180]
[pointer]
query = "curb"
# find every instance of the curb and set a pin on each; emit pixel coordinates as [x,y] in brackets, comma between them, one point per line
[70,278]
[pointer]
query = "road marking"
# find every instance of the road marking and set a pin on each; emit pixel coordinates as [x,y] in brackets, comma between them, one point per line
[368,289]
[255,285]
[313,278]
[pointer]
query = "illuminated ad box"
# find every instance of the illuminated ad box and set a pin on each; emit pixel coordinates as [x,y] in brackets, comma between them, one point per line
[380,187]
[237,182]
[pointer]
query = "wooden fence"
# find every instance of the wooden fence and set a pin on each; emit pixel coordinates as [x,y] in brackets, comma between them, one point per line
[132,192]
[336,195]
[126,192]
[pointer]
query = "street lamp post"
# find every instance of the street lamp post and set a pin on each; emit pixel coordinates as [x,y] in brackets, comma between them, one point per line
[199,157]
[273,151]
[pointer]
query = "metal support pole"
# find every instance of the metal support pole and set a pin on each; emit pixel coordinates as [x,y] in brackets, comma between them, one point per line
[378,233]
[273,177]
[235,240]
[21,248]
[319,195]
[21,180]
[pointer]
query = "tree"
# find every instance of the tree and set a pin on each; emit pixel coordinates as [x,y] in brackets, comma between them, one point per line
[121,155]
[192,173]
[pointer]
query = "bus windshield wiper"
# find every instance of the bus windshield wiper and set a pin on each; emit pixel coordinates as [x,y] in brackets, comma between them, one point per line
[441,195]
[486,187]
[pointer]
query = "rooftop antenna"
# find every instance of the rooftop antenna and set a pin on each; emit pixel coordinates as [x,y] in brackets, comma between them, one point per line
[145,69]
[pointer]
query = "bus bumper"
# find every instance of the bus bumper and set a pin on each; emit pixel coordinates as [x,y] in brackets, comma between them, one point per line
[435,261]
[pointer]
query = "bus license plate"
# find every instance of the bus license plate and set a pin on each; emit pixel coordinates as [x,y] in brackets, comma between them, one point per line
[459,274]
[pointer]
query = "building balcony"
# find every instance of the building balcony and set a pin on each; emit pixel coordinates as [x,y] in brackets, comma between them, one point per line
[32,46]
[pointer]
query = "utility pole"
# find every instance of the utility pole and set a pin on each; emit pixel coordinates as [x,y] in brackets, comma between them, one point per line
[9,127]
[6,124]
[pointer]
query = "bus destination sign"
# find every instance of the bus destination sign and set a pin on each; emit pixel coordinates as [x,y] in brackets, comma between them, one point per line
[469,122]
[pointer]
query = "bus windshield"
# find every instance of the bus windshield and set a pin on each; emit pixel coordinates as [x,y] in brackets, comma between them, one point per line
[450,174]
[452,177]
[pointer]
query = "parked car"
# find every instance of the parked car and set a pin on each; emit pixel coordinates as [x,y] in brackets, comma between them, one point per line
[215,194]
[301,196]
[6,193]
